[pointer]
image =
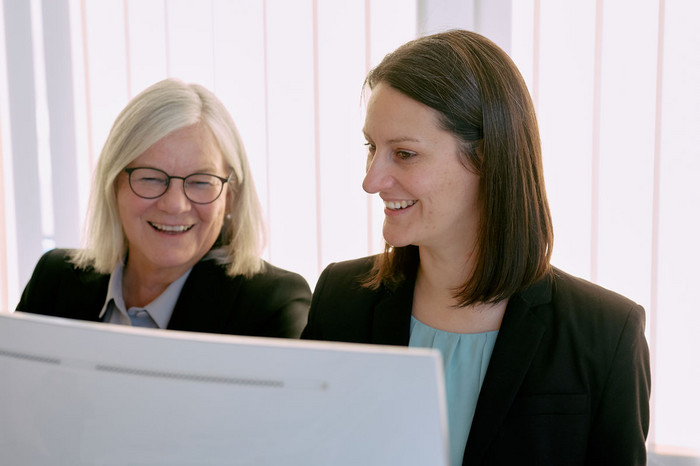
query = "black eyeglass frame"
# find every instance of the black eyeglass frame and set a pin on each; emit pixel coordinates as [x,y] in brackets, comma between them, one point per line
[130,170]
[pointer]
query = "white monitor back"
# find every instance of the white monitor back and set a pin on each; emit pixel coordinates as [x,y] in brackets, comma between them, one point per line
[74,393]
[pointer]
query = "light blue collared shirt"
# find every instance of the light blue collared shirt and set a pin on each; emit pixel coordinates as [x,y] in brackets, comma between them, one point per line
[160,309]
[466,357]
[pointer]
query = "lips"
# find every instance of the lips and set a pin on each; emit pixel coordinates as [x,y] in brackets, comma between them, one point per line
[171,228]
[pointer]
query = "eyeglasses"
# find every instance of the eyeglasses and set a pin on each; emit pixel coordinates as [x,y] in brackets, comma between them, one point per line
[199,188]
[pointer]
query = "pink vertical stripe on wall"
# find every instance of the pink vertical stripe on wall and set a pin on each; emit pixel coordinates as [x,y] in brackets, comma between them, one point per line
[86,77]
[267,125]
[536,55]
[368,64]
[317,140]
[595,137]
[4,289]
[652,312]
[167,39]
[129,92]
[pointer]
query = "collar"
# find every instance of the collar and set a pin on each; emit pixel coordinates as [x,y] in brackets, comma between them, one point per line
[160,309]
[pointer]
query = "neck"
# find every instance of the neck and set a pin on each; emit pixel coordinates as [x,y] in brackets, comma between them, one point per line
[140,288]
[445,270]
[434,303]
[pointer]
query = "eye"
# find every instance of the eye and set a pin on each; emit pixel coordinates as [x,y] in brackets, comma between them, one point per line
[148,176]
[371,149]
[404,154]
[201,181]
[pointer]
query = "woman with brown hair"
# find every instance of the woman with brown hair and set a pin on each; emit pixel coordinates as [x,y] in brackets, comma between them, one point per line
[540,367]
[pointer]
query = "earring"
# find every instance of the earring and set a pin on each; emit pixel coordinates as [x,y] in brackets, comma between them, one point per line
[228,216]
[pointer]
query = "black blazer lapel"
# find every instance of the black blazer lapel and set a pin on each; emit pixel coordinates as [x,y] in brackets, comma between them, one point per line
[205,302]
[518,339]
[392,315]
[89,297]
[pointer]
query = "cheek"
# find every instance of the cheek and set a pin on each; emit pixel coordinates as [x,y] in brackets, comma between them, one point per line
[213,214]
[130,207]
[125,207]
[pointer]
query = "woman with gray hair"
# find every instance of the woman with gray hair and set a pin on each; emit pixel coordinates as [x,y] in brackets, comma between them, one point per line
[174,230]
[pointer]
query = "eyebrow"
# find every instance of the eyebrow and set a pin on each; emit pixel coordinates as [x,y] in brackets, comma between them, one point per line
[395,140]
[403,139]
[208,170]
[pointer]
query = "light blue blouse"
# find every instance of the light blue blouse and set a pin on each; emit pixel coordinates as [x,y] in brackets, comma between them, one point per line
[466,357]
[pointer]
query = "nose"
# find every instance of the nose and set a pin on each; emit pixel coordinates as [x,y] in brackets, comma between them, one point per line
[378,176]
[174,200]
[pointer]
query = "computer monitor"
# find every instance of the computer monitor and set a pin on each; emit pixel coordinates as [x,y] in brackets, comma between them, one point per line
[74,392]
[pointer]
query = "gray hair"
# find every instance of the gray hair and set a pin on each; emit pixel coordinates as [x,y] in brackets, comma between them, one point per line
[157,111]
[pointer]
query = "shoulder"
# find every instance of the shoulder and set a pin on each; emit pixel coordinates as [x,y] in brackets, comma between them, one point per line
[272,285]
[57,283]
[350,274]
[341,285]
[270,276]
[272,303]
[570,285]
[277,284]
[585,311]
[590,299]
[342,307]
[273,274]
[59,263]
[358,266]
[57,258]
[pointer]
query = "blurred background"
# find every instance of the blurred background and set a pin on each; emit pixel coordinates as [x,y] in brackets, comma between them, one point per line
[616,85]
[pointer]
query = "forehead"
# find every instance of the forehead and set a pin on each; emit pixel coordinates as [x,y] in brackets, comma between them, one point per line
[392,116]
[390,111]
[192,147]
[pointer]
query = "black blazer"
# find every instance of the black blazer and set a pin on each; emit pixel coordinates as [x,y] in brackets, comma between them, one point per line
[568,382]
[273,303]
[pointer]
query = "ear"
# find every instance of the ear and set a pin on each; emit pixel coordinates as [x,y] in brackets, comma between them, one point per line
[230,193]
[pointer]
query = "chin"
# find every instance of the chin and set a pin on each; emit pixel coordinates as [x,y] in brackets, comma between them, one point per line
[174,261]
[396,242]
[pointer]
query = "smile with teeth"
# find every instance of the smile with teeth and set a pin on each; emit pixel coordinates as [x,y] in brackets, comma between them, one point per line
[170,228]
[398,205]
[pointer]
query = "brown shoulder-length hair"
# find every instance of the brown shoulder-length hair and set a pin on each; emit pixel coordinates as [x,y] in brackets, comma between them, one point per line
[482,99]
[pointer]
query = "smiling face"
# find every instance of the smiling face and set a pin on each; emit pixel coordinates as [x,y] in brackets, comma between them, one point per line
[169,234]
[430,197]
